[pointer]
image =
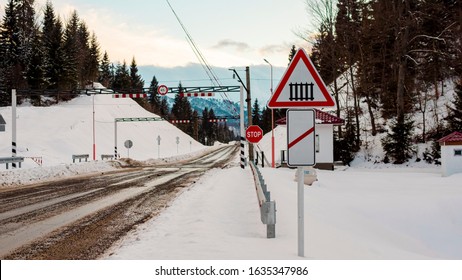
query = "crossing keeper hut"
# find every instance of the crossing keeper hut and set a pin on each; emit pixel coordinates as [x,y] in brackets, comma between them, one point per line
[451,153]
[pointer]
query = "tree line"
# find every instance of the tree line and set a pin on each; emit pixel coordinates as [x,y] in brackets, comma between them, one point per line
[395,56]
[59,56]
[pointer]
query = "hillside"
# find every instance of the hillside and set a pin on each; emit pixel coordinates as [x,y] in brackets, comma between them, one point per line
[56,133]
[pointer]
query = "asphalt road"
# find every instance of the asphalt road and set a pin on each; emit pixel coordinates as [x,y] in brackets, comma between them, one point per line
[81,217]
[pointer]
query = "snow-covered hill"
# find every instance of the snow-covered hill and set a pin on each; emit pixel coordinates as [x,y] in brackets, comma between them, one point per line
[56,133]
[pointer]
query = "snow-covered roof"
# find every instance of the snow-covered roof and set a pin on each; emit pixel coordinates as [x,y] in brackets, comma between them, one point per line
[321,118]
[453,137]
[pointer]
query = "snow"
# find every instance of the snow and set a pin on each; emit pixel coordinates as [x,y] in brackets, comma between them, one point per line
[357,214]
[368,211]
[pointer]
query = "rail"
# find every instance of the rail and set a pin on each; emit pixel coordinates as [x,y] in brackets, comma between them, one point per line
[267,207]
[8,160]
[80,157]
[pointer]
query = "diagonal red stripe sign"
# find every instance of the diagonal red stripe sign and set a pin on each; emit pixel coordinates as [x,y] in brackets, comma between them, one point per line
[293,143]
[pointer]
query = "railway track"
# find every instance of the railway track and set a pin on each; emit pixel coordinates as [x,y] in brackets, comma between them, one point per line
[79,218]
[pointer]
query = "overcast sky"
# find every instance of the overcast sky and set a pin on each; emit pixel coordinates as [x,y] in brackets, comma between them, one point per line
[228,32]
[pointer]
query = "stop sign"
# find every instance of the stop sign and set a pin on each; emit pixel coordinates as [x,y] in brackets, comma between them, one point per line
[254,134]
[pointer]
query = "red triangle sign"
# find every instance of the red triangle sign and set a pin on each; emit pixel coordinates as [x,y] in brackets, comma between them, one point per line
[301,86]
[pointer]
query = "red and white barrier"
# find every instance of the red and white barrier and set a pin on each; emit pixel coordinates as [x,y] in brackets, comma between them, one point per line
[130,95]
[197,94]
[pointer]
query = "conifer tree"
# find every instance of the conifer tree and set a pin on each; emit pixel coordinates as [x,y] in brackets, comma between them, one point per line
[122,80]
[398,144]
[454,117]
[137,83]
[105,76]
[256,118]
[71,49]
[154,98]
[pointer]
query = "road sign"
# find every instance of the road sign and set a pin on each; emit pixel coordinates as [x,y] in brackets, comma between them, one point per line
[301,137]
[301,86]
[254,134]
[128,144]
[162,90]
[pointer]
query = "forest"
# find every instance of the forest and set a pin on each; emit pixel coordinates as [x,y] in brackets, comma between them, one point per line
[397,56]
[42,54]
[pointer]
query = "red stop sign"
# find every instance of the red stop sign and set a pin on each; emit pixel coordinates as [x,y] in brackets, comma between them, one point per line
[254,134]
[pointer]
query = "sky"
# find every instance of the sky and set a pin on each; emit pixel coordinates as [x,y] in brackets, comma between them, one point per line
[228,33]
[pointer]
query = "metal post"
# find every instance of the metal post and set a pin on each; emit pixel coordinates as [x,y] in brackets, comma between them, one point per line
[272,119]
[115,139]
[94,138]
[242,127]
[13,123]
[249,108]
[301,213]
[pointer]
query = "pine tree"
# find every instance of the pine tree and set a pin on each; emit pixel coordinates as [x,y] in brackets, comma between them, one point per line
[292,53]
[154,98]
[164,109]
[35,69]
[105,76]
[181,110]
[122,80]
[398,144]
[53,53]
[71,48]
[92,56]
[256,117]
[454,117]
[137,83]
[266,120]
[10,45]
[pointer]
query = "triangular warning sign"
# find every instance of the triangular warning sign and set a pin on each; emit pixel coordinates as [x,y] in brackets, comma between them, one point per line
[301,86]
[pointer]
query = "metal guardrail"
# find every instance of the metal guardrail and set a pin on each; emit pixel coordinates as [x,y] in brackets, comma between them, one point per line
[80,157]
[8,160]
[103,157]
[267,207]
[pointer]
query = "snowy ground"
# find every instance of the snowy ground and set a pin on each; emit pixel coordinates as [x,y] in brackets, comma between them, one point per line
[353,214]
[369,211]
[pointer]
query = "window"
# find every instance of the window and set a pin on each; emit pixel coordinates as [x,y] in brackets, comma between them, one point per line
[458,152]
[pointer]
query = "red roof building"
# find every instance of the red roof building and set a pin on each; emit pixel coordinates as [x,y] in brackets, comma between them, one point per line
[454,138]
[322,117]
[451,153]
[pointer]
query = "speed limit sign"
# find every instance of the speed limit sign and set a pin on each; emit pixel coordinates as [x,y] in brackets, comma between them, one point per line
[162,90]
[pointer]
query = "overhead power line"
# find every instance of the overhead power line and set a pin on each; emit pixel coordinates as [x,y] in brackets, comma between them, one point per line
[205,65]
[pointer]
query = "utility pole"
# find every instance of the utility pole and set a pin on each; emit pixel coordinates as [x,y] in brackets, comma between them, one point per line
[249,108]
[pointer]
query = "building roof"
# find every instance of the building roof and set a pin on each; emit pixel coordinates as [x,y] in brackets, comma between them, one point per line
[321,117]
[453,137]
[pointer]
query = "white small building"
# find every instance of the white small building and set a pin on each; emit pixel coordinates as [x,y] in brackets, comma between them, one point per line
[451,153]
[324,138]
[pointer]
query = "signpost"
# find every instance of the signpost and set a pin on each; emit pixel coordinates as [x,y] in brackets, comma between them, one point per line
[177,143]
[162,90]
[301,87]
[254,134]
[158,146]
[128,144]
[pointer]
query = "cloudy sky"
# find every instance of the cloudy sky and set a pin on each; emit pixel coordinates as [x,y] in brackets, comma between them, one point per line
[228,32]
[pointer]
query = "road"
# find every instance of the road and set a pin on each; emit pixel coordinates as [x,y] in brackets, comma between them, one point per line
[81,217]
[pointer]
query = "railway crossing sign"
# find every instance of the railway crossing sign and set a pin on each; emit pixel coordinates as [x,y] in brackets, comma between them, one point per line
[301,86]
[301,137]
